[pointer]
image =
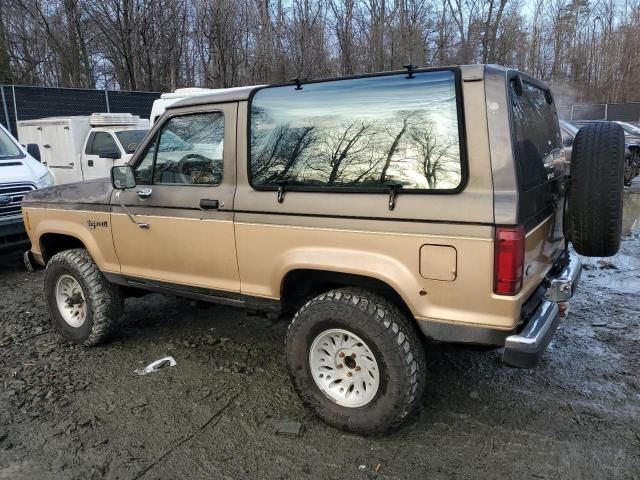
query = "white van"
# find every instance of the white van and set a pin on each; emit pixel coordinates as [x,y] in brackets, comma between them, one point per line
[84,148]
[19,173]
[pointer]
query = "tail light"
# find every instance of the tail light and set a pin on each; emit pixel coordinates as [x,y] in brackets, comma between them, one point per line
[509,260]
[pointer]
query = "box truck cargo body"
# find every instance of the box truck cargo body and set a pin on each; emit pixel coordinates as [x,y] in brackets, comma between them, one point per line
[84,147]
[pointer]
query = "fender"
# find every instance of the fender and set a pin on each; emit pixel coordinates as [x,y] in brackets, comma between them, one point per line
[93,229]
[357,262]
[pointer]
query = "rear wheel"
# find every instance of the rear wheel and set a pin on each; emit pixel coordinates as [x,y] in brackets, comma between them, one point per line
[85,308]
[595,196]
[356,360]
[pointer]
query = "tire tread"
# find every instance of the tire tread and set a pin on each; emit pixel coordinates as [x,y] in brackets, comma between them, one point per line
[106,299]
[395,326]
[595,202]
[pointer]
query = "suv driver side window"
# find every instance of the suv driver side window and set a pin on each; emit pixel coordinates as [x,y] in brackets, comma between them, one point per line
[187,151]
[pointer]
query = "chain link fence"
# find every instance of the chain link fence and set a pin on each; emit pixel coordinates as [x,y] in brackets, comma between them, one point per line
[19,102]
[624,112]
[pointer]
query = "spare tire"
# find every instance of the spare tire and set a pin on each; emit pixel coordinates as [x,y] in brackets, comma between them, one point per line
[595,195]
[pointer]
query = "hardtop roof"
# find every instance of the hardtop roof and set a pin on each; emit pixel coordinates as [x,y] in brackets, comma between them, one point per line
[235,94]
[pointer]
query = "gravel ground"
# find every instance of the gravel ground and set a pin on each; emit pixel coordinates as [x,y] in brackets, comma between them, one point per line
[71,412]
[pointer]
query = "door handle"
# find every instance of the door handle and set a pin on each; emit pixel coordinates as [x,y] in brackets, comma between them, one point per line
[144,193]
[207,204]
[129,214]
[90,163]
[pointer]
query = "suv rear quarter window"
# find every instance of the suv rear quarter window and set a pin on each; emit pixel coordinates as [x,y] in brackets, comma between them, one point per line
[366,133]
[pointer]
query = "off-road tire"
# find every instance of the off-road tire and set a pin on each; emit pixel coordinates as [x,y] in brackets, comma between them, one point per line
[595,194]
[104,300]
[392,338]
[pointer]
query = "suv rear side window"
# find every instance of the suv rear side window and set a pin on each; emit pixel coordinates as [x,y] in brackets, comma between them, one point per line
[367,132]
[537,142]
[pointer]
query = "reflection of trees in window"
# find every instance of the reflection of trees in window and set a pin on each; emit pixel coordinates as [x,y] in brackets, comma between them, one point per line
[343,155]
[278,152]
[397,137]
[408,148]
[437,156]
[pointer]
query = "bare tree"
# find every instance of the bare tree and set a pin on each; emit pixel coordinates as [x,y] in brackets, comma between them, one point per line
[586,48]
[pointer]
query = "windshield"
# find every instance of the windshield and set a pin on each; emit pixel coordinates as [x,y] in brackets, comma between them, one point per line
[8,148]
[130,139]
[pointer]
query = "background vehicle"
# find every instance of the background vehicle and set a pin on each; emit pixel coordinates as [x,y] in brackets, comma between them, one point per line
[632,145]
[19,173]
[83,148]
[167,99]
[568,131]
[631,132]
[378,208]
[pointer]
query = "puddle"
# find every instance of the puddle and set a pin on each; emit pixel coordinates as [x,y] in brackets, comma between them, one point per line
[620,272]
[620,285]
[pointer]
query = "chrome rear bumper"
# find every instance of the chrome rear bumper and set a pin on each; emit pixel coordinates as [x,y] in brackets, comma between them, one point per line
[525,349]
[561,288]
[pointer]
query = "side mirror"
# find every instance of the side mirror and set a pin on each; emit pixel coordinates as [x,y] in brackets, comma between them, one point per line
[131,148]
[106,153]
[34,150]
[123,177]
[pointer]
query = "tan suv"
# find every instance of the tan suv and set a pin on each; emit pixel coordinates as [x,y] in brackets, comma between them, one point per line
[381,209]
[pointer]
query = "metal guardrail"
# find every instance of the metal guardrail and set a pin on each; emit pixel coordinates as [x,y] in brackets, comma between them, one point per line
[626,112]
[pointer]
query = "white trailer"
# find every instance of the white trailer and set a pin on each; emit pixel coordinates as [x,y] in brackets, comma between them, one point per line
[84,147]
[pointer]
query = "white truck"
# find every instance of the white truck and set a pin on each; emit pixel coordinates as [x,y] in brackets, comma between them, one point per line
[167,99]
[20,173]
[84,147]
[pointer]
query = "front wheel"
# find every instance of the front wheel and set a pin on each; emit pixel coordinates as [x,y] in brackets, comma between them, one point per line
[85,308]
[356,360]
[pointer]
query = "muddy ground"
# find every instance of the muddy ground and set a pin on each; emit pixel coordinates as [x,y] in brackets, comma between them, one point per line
[71,412]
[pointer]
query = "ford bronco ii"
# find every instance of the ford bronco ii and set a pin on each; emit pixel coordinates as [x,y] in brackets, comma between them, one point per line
[381,209]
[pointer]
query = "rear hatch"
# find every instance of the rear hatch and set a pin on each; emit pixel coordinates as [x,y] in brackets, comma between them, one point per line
[541,169]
